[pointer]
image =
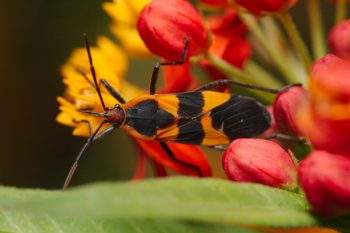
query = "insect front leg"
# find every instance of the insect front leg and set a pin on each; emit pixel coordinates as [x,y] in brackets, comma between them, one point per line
[106,84]
[112,91]
[83,149]
[104,133]
[170,63]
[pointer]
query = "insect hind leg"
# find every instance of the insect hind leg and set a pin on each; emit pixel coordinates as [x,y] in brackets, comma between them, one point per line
[172,156]
[221,82]
[170,63]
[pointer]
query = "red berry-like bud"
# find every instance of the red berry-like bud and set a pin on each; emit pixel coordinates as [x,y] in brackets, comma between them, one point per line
[285,108]
[339,40]
[164,24]
[325,179]
[259,6]
[259,161]
[215,2]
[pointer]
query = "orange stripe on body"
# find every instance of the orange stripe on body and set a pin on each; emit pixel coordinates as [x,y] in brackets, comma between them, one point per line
[212,136]
[169,103]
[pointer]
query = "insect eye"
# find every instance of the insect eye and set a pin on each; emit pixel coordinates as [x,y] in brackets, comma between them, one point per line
[117,106]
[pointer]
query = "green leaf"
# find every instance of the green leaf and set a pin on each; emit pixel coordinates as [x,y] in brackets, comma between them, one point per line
[168,205]
[24,223]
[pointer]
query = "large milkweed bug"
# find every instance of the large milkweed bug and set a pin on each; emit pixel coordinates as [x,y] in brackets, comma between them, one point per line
[199,117]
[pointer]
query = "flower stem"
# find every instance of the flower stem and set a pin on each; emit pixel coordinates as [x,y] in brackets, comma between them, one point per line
[258,72]
[235,73]
[316,28]
[340,12]
[287,21]
[276,57]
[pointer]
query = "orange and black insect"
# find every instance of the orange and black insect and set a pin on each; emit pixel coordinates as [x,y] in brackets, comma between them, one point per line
[199,117]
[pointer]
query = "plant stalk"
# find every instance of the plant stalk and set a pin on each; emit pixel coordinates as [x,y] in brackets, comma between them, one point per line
[340,11]
[300,47]
[316,29]
[275,56]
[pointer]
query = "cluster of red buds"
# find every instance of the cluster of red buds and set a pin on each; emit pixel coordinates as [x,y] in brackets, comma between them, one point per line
[318,113]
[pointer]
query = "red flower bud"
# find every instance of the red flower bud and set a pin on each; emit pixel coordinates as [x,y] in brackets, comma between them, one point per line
[259,161]
[164,25]
[258,6]
[325,179]
[339,40]
[215,2]
[285,107]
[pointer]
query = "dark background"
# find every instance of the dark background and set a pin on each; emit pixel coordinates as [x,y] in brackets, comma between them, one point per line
[36,37]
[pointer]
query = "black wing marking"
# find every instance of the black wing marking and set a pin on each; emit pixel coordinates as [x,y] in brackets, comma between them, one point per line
[238,117]
[241,117]
[190,128]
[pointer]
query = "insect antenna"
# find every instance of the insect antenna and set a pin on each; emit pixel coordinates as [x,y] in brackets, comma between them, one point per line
[77,159]
[93,72]
[92,135]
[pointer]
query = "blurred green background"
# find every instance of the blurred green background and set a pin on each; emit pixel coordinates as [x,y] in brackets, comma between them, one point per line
[36,37]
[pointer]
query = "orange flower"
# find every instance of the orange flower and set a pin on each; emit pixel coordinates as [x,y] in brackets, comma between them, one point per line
[326,118]
[259,6]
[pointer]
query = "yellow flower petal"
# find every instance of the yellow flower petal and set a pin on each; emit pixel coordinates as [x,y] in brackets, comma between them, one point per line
[125,15]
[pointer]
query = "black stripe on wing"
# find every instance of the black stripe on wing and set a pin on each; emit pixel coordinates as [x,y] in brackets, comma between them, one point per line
[190,127]
[241,117]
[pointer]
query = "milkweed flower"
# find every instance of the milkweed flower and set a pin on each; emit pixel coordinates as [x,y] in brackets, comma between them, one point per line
[325,179]
[325,120]
[164,25]
[259,161]
[259,6]
[229,41]
[81,94]
[338,40]
[125,14]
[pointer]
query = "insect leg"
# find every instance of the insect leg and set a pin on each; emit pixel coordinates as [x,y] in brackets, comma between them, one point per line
[219,147]
[221,82]
[112,91]
[106,84]
[172,156]
[77,159]
[104,133]
[157,66]
[285,138]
